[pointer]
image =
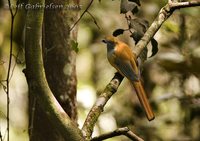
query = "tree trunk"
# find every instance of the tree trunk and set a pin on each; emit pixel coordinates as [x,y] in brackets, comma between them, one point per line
[59,60]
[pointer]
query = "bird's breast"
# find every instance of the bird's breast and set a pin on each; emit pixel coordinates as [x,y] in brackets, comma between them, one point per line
[111,56]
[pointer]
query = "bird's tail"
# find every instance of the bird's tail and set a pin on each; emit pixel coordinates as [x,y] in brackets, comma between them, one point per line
[143,100]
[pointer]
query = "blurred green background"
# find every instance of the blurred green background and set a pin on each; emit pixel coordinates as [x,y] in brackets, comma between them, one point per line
[171,77]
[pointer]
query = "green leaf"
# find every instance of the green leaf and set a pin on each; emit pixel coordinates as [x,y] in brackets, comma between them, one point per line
[74,45]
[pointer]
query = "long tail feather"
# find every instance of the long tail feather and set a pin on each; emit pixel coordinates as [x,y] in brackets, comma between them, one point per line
[143,100]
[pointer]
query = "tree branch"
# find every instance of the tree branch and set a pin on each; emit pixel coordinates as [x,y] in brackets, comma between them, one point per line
[13,14]
[163,15]
[112,87]
[118,132]
[178,5]
[98,107]
[86,10]
[36,77]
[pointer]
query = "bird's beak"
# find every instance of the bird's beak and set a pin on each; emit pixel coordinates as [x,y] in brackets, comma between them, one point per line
[104,41]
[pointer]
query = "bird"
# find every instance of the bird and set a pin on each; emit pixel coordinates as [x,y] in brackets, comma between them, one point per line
[121,57]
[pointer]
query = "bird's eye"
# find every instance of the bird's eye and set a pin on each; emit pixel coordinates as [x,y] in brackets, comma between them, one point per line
[104,41]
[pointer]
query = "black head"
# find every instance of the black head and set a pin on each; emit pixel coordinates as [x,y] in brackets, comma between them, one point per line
[110,41]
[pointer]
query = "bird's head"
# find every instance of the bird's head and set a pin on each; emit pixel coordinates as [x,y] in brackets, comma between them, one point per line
[110,41]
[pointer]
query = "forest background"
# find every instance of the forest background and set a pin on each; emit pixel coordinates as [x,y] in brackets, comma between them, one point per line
[171,77]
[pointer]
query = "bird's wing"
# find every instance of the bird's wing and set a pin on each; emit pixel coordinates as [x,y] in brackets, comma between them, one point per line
[125,68]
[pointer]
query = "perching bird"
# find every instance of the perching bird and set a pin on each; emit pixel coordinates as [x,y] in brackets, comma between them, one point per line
[123,59]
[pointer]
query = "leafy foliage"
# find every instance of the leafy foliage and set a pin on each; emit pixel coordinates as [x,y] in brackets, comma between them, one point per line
[136,26]
[74,45]
[139,27]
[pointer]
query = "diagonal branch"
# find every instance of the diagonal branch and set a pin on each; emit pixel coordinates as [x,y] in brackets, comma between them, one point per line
[163,15]
[86,10]
[98,107]
[94,20]
[178,5]
[112,87]
[118,132]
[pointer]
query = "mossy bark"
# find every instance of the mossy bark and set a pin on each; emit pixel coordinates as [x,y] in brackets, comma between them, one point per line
[39,91]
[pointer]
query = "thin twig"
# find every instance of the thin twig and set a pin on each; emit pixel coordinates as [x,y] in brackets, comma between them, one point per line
[95,22]
[3,85]
[128,22]
[118,132]
[16,58]
[13,14]
[82,15]
[133,136]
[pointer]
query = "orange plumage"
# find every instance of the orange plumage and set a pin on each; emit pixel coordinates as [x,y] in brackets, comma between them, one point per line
[123,59]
